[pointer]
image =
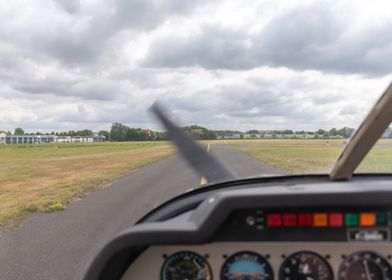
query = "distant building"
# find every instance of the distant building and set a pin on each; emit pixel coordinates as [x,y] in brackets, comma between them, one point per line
[2,138]
[252,135]
[47,139]
[310,136]
[232,136]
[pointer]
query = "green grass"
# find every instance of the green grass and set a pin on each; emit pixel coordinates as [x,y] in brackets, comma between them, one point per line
[47,177]
[315,156]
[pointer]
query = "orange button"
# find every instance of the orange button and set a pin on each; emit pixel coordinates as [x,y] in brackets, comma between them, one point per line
[320,220]
[367,219]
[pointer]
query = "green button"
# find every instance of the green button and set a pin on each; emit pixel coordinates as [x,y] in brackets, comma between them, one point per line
[381,219]
[351,220]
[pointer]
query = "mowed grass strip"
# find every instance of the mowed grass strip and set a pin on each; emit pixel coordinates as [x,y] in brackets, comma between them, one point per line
[47,177]
[314,156]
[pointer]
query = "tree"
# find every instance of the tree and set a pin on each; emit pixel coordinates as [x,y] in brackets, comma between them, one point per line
[209,134]
[19,131]
[199,132]
[84,132]
[104,133]
[118,132]
[320,132]
[333,132]
[161,136]
[346,132]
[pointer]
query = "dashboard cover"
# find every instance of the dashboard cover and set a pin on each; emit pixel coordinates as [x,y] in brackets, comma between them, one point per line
[210,220]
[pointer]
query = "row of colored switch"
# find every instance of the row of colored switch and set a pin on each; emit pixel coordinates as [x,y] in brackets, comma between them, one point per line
[325,220]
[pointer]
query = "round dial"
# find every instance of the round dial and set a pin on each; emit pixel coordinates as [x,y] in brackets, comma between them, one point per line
[305,266]
[186,266]
[246,266]
[366,266]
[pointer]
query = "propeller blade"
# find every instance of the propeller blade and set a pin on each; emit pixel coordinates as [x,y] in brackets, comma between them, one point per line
[202,162]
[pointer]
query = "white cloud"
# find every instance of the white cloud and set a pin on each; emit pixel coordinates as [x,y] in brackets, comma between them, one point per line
[223,64]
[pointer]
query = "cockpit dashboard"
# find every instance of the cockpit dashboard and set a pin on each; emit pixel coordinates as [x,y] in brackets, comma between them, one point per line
[314,230]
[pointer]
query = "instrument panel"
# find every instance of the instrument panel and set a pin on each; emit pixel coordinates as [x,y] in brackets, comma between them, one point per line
[265,261]
[317,243]
[316,230]
[371,224]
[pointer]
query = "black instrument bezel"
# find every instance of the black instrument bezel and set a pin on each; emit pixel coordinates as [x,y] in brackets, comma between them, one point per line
[198,226]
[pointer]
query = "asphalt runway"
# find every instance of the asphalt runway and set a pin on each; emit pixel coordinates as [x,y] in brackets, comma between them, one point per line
[60,245]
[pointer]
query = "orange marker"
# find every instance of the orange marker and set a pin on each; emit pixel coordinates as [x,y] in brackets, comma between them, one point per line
[320,220]
[367,219]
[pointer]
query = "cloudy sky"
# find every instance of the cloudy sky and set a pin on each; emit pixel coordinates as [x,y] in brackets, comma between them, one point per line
[70,64]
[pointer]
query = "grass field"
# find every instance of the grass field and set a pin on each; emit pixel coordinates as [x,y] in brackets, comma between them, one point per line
[47,177]
[313,156]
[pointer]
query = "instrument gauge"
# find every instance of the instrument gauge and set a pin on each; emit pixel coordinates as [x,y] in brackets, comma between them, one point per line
[246,266]
[186,265]
[366,266]
[305,266]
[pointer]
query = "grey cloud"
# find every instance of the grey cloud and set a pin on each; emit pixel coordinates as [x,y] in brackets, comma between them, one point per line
[211,48]
[316,38]
[325,98]
[85,36]
[244,102]
[134,15]
[71,64]
[71,6]
[349,110]
[84,89]
[148,14]
[308,38]
[240,103]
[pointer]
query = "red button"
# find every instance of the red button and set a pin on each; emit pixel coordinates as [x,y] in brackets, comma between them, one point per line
[305,220]
[336,219]
[290,220]
[274,220]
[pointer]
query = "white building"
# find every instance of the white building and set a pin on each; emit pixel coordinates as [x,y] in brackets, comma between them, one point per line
[47,139]
[76,139]
[2,138]
[232,136]
[252,136]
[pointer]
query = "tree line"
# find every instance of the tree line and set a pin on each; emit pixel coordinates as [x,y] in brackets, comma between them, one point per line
[344,132]
[121,132]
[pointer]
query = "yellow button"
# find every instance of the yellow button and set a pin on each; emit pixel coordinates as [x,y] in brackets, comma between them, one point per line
[367,219]
[320,220]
